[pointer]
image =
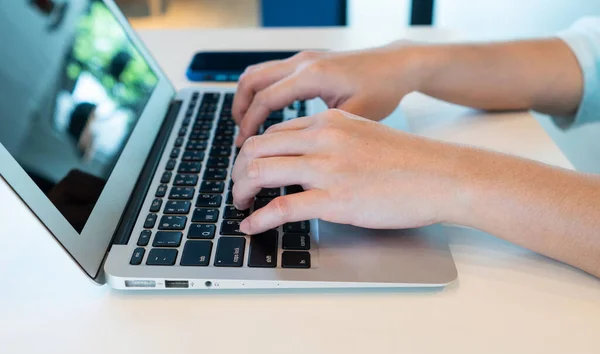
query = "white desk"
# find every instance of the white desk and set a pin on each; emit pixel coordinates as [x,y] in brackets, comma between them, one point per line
[507,299]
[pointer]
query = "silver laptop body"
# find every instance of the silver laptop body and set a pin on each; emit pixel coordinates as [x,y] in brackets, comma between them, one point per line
[132,178]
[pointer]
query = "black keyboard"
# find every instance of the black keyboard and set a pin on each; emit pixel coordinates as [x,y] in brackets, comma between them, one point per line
[191,220]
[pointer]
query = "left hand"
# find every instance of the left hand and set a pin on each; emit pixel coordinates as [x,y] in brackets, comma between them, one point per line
[354,171]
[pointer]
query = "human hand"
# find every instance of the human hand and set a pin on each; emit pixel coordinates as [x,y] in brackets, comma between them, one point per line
[369,83]
[354,171]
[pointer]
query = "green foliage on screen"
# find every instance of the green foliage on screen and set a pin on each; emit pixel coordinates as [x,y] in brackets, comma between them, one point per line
[99,39]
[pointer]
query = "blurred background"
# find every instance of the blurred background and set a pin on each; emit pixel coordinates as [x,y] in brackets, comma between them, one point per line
[481,19]
[477,20]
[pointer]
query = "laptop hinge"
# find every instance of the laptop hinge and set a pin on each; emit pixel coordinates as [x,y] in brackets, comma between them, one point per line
[136,199]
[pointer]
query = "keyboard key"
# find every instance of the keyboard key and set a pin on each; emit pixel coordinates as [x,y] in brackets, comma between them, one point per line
[211,97]
[226,131]
[166,177]
[161,191]
[196,145]
[196,253]
[205,215]
[203,125]
[182,132]
[177,207]
[261,202]
[205,116]
[201,231]
[230,252]
[189,167]
[302,227]
[231,227]
[193,155]
[269,123]
[220,151]
[150,221]
[223,140]
[276,114]
[212,187]
[167,239]
[296,242]
[293,189]
[263,250]
[186,122]
[290,259]
[172,222]
[269,193]
[175,153]
[225,123]
[185,180]
[162,256]
[230,187]
[231,213]
[200,135]
[171,165]
[137,256]
[179,141]
[182,193]
[208,201]
[220,162]
[195,95]
[218,174]
[144,238]
[229,198]
[155,206]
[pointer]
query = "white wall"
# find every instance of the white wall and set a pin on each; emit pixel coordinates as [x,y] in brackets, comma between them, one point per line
[509,19]
[374,15]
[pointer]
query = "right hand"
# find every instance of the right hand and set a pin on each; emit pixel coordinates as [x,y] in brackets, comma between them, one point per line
[368,83]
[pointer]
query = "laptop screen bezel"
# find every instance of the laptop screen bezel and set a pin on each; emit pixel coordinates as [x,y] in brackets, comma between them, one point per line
[89,247]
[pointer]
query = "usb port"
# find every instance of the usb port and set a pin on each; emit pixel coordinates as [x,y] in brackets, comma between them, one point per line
[177,284]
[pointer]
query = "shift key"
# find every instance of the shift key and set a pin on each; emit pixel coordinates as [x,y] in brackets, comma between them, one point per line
[263,250]
[230,252]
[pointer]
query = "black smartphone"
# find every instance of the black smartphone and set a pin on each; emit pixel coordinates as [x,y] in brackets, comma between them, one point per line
[228,66]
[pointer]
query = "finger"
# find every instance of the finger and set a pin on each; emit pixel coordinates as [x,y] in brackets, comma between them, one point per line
[292,124]
[255,80]
[278,95]
[269,172]
[290,143]
[289,208]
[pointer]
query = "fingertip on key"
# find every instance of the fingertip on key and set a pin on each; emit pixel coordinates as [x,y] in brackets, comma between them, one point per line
[245,226]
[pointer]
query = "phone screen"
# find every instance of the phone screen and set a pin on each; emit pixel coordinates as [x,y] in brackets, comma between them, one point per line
[233,61]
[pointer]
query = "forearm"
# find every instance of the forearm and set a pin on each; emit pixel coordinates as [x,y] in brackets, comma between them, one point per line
[549,210]
[542,75]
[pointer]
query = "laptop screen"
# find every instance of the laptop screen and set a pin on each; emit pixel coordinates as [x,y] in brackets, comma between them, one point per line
[72,87]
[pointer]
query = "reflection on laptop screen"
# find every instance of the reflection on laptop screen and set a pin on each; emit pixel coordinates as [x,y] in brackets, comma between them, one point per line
[72,88]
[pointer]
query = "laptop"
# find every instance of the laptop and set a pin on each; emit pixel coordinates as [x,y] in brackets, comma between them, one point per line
[132,178]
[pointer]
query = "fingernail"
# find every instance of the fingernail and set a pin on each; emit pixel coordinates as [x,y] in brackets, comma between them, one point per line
[244,227]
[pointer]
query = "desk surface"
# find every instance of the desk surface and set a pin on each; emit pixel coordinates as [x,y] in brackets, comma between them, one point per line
[506,300]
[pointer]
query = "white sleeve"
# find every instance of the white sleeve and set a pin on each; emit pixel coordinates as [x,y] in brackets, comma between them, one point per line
[584,40]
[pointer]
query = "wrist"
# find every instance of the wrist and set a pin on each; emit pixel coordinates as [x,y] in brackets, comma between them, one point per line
[418,65]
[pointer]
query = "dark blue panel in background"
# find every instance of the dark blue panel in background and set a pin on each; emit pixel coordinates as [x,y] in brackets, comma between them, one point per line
[303,13]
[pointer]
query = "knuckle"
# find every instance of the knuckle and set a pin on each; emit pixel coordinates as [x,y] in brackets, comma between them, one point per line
[251,68]
[262,99]
[282,207]
[335,113]
[253,170]
[307,55]
[250,146]
[316,67]
[331,135]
